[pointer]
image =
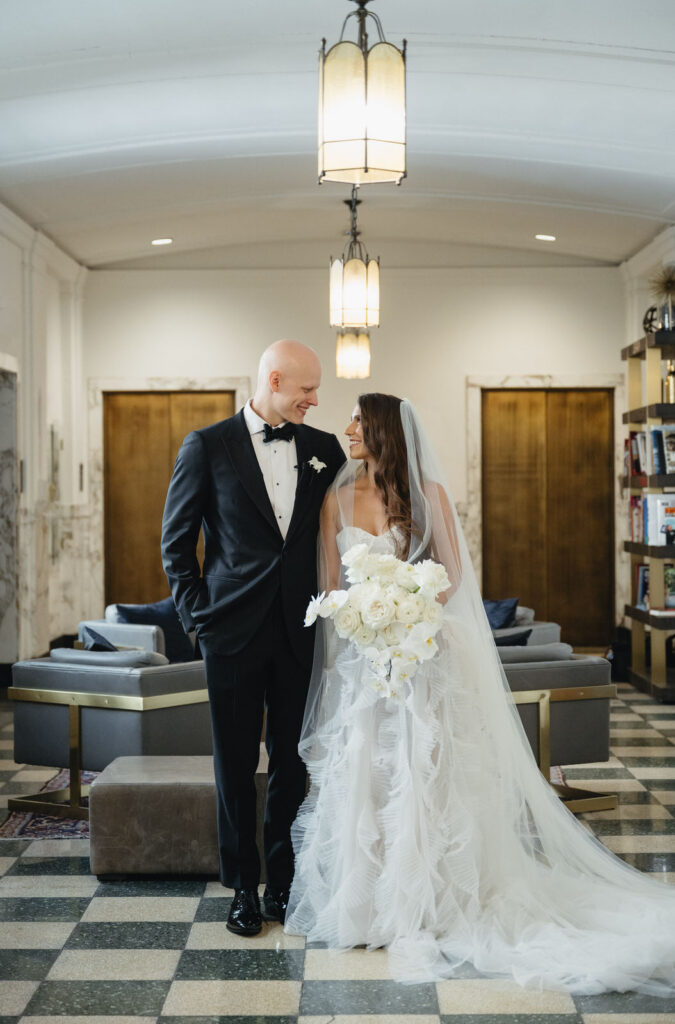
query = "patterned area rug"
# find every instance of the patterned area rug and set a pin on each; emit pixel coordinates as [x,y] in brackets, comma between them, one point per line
[27,825]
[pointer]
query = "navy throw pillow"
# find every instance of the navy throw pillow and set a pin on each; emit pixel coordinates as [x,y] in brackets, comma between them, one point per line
[164,614]
[501,614]
[514,639]
[94,641]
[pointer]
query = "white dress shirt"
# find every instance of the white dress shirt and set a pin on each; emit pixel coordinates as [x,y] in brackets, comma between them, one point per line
[278,462]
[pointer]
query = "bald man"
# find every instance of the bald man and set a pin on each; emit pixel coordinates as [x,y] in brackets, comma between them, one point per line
[254,484]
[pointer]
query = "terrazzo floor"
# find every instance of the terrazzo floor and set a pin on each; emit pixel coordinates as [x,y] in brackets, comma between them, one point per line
[141,952]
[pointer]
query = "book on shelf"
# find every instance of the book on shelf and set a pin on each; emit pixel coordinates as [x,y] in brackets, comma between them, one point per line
[642,587]
[668,434]
[657,519]
[658,454]
[643,452]
[634,454]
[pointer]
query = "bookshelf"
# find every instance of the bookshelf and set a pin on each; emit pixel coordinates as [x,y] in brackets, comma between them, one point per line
[644,360]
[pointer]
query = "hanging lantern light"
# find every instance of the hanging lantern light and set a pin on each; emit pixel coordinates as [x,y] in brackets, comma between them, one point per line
[352,355]
[354,281]
[362,107]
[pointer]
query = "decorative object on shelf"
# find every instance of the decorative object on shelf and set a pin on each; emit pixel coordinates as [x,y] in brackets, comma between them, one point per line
[651,322]
[662,286]
[352,355]
[669,384]
[362,123]
[354,281]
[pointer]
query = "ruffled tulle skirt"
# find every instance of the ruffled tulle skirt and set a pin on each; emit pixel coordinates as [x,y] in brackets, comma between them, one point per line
[429,830]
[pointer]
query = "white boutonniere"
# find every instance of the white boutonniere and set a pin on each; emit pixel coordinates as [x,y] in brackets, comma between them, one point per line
[316,464]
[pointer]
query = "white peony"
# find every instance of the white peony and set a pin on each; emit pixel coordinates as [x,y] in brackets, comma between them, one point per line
[410,608]
[332,604]
[347,620]
[433,613]
[361,594]
[405,576]
[313,609]
[431,577]
[384,566]
[355,560]
[378,612]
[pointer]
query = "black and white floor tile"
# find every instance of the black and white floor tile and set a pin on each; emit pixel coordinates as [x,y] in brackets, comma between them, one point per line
[157,951]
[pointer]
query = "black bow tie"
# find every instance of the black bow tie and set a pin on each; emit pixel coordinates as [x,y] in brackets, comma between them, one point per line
[285,433]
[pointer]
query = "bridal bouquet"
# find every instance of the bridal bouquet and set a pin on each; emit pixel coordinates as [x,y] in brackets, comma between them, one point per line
[390,613]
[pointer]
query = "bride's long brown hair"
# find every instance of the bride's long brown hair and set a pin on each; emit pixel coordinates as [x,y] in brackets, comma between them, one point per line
[384,438]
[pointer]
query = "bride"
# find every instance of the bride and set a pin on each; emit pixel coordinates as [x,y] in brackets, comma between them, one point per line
[428,827]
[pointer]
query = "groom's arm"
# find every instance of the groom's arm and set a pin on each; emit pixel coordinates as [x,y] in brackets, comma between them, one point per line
[181,523]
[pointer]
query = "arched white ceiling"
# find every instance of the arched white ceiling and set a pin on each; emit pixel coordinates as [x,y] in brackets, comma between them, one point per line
[122,122]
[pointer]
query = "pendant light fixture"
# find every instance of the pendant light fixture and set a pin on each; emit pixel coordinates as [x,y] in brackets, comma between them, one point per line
[352,355]
[354,281]
[362,130]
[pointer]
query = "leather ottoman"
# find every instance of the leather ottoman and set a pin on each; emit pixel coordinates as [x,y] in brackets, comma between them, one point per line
[157,816]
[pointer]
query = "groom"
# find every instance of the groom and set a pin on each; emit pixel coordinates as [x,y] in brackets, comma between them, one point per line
[254,483]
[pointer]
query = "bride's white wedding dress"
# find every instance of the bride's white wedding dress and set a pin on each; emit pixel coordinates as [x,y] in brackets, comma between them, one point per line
[407,839]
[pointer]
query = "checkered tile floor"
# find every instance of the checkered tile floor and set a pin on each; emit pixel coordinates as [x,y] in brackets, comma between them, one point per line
[72,949]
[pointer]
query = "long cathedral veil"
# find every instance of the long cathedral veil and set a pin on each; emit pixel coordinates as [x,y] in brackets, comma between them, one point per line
[520,886]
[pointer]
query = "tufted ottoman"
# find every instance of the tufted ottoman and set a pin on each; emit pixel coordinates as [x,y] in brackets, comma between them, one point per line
[157,816]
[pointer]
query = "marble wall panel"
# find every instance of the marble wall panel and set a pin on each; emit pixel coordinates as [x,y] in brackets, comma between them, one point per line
[9,529]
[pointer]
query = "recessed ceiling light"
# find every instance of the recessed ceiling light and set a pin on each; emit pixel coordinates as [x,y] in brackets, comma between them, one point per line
[161,241]
[545,238]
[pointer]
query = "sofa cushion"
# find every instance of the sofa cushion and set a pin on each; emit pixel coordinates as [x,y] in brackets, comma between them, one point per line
[501,613]
[162,613]
[95,641]
[524,616]
[537,652]
[512,639]
[111,659]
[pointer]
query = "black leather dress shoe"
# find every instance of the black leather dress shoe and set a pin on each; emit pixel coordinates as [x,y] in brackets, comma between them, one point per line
[275,904]
[244,917]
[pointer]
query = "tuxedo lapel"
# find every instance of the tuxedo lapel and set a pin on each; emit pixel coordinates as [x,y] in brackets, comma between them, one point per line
[306,477]
[240,449]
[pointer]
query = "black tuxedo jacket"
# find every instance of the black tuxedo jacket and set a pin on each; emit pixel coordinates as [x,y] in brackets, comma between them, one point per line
[217,485]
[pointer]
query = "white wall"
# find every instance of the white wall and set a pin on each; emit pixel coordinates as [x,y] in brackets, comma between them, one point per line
[438,328]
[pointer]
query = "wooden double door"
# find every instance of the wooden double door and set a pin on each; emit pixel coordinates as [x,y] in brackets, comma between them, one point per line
[548,506]
[142,434]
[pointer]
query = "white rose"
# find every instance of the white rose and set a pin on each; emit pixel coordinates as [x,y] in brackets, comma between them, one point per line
[432,577]
[363,637]
[347,621]
[378,612]
[410,609]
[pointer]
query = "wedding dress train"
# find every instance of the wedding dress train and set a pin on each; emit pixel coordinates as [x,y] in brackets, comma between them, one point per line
[429,829]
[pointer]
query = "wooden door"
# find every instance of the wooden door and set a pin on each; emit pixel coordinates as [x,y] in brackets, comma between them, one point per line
[142,434]
[548,506]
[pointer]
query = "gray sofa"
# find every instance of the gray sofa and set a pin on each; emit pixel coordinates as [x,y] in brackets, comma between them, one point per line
[542,632]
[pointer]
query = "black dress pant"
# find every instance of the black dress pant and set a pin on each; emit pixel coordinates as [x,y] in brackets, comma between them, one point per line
[265,674]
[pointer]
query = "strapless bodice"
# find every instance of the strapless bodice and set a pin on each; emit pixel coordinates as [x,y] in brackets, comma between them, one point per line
[382,544]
